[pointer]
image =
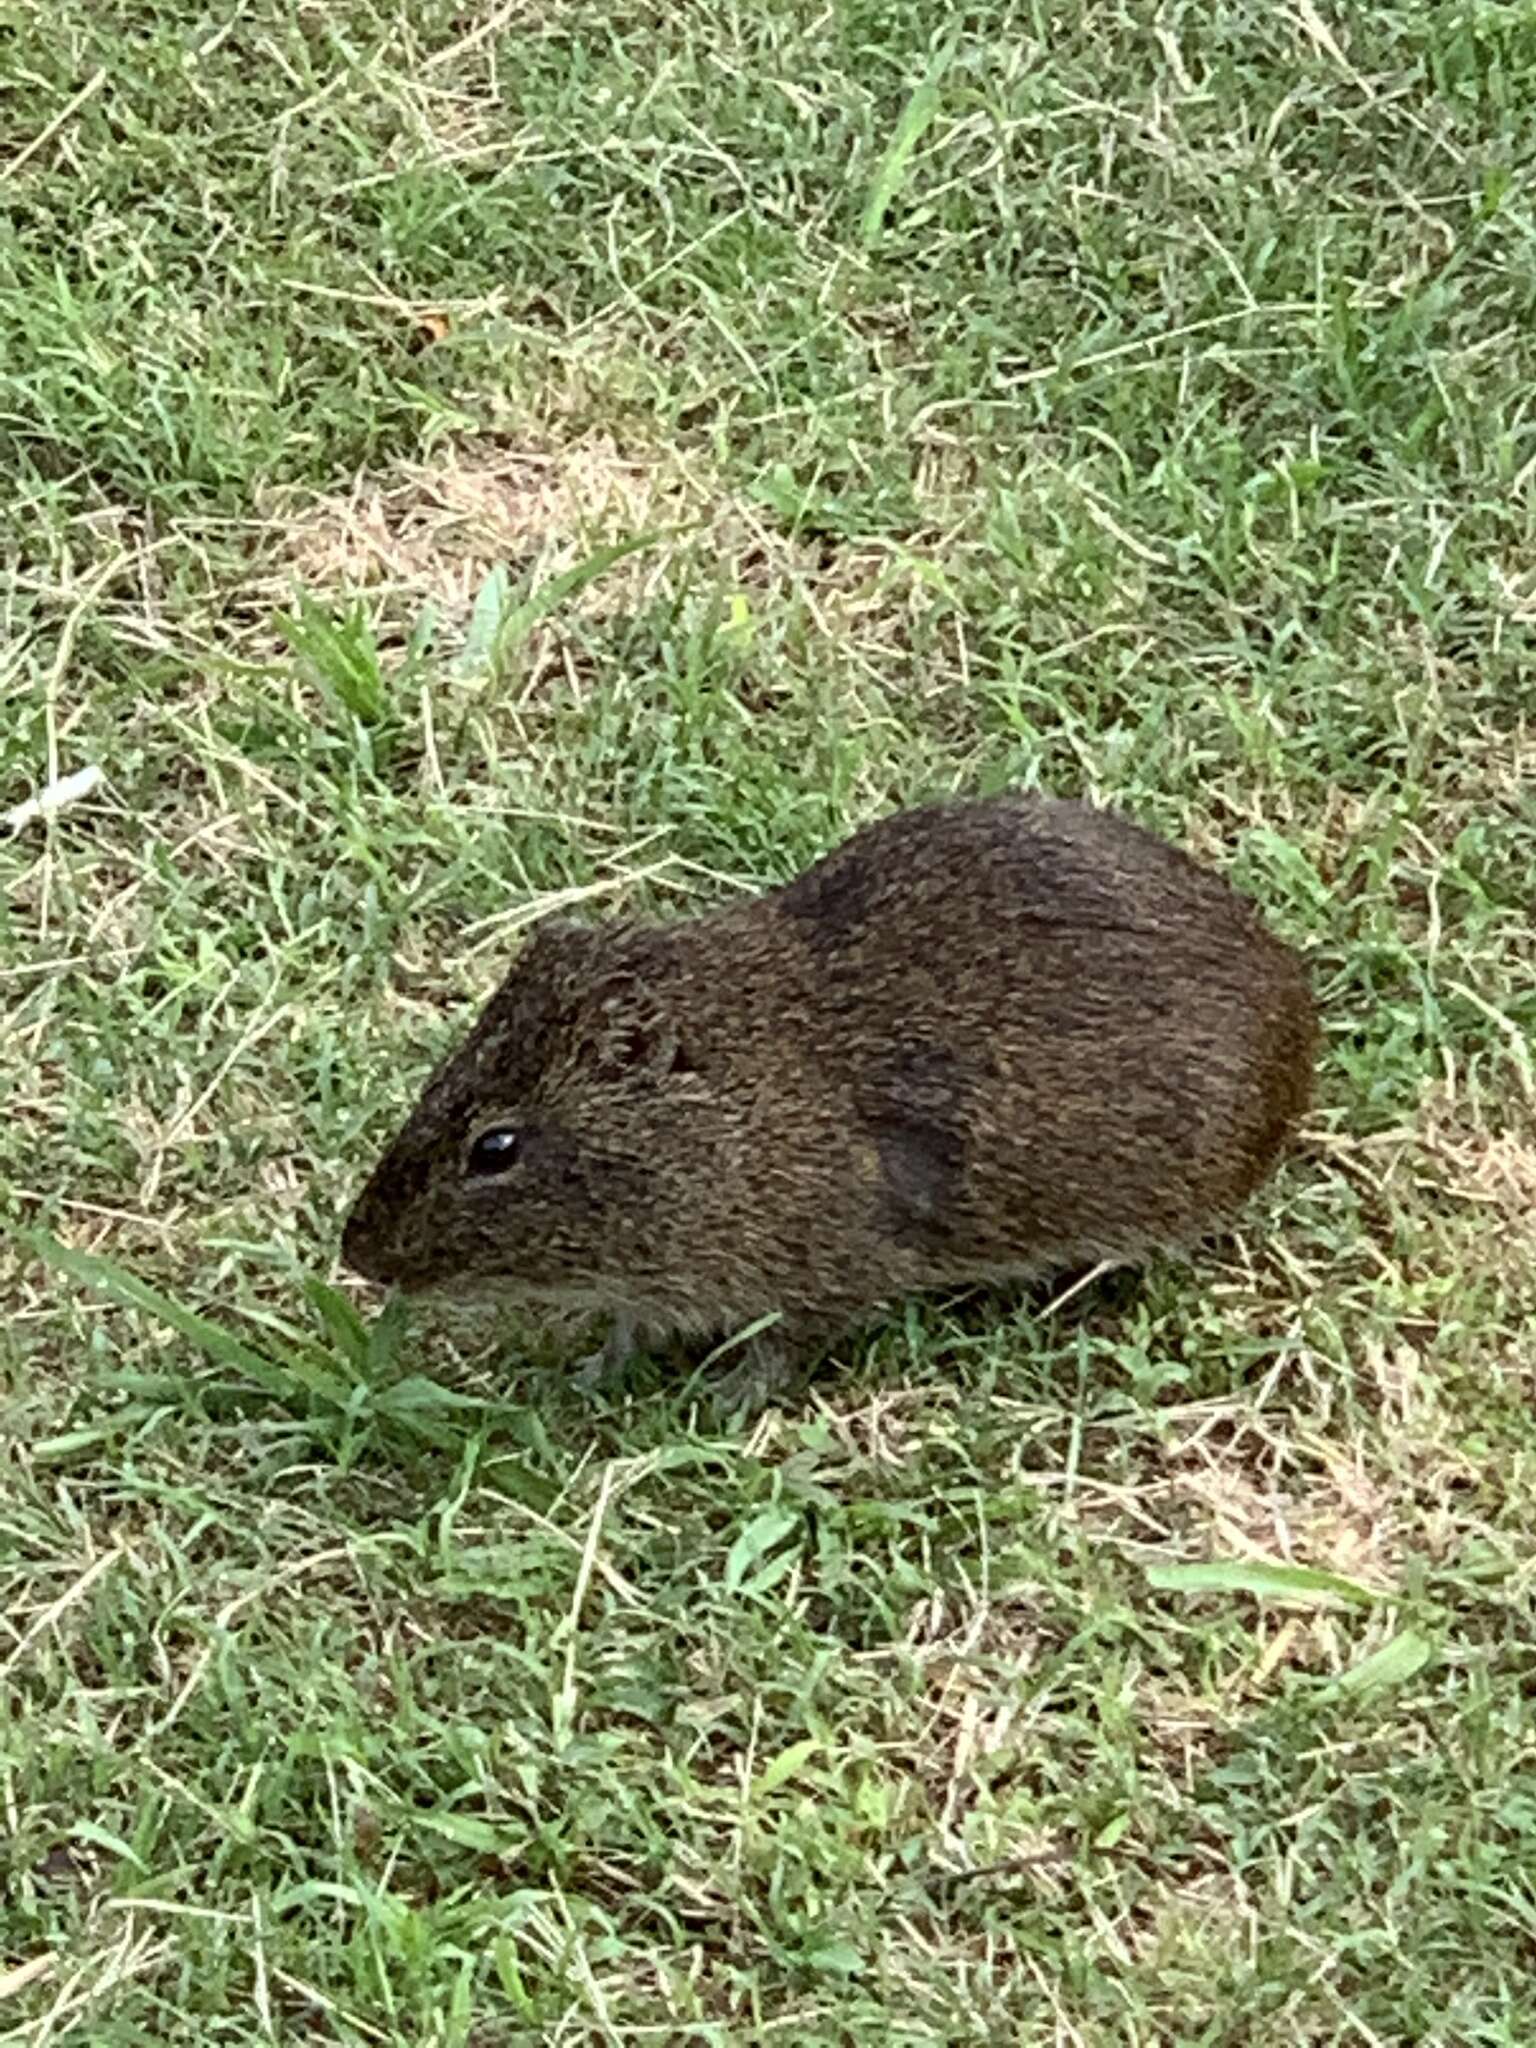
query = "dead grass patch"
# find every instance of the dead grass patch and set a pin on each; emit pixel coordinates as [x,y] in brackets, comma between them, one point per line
[431,533]
[425,536]
[1210,1918]
[1314,1503]
[1494,1170]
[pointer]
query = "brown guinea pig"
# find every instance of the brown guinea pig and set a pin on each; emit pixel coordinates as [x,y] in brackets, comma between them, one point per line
[979,1041]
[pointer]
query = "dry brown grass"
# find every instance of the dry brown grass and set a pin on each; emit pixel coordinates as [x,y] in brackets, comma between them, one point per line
[426,534]
[432,532]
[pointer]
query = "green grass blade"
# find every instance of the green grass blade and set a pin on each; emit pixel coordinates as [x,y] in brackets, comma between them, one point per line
[342,653]
[118,1284]
[916,119]
[763,1533]
[342,1323]
[518,622]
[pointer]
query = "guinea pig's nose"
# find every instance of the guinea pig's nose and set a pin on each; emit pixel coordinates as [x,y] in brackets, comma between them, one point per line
[367,1243]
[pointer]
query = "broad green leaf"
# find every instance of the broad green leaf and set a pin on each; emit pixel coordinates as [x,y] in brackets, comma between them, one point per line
[1394,1663]
[492,603]
[417,1394]
[780,1769]
[343,654]
[51,1450]
[466,1830]
[117,1284]
[837,1958]
[102,1838]
[1265,1581]
[384,1334]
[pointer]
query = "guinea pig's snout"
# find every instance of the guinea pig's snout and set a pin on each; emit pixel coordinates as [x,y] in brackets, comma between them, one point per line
[362,1251]
[384,1238]
[371,1240]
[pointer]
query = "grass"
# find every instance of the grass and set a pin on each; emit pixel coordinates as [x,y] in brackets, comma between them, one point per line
[1125,400]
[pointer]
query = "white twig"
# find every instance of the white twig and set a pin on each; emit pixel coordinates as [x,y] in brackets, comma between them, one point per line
[66,789]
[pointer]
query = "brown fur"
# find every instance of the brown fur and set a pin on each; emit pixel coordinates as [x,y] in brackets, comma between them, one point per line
[979,1041]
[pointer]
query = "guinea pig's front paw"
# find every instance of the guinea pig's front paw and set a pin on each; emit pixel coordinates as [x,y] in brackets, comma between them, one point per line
[774,1366]
[749,1387]
[606,1368]
[595,1372]
[777,1362]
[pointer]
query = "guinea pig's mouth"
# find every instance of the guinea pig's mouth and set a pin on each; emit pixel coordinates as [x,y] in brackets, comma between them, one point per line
[410,1278]
[418,1278]
[404,1259]
[381,1258]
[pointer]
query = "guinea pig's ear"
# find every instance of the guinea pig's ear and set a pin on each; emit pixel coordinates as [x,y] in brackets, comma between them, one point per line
[628,1032]
[554,934]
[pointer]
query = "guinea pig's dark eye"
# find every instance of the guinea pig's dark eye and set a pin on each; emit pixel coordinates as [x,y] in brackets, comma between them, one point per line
[493,1151]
